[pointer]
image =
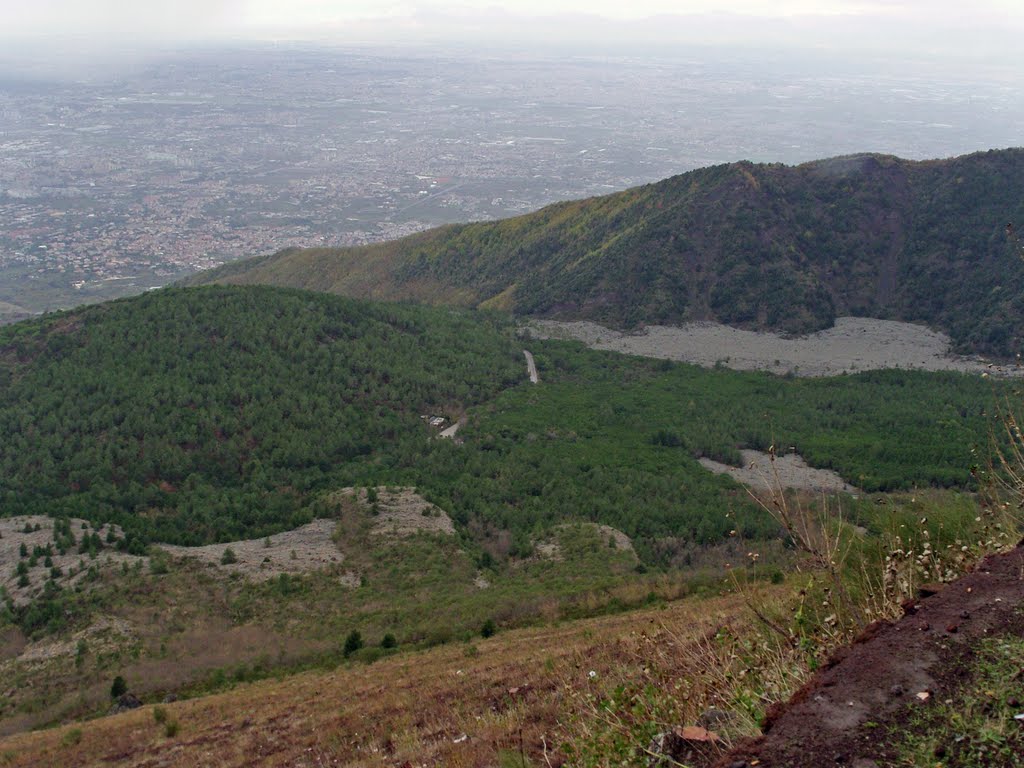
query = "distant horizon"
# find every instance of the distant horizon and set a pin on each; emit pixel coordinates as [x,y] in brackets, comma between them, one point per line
[936,29]
[77,57]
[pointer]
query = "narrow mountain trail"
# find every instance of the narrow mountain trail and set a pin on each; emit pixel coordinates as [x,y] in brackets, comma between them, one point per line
[453,430]
[857,709]
[531,368]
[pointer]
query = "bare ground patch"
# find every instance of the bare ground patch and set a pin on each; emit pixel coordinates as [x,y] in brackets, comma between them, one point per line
[787,471]
[309,548]
[400,511]
[622,541]
[853,344]
[877,689]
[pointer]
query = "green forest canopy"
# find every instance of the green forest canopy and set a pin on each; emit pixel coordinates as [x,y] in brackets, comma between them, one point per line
[211,414]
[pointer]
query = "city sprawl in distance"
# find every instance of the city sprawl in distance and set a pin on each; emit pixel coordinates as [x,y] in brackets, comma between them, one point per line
[116,181]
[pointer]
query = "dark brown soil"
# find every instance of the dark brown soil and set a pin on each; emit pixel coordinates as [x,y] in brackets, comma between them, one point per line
[846,713]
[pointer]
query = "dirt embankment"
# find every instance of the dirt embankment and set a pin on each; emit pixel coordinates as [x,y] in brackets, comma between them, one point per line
[846,714]
[853,344]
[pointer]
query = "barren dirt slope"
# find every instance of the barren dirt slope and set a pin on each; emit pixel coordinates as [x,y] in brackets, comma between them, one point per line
[873,694]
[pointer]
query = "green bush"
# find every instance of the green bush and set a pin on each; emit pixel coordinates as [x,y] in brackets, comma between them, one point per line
[353,643]
[158,562]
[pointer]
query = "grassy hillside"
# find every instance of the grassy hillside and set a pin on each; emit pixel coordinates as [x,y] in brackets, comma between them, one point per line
[173,623]
[760,246]
[515,689]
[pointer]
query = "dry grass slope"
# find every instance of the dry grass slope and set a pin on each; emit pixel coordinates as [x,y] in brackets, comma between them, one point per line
[457,705]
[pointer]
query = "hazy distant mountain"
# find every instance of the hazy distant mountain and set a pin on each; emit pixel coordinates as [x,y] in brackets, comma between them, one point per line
[759,246]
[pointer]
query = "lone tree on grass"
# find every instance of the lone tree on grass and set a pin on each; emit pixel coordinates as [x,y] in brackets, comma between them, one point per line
[353,643]
[118,688]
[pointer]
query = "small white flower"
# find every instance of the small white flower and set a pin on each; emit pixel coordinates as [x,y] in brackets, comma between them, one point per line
[591,674]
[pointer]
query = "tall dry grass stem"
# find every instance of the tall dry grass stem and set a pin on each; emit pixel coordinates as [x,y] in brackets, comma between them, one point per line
[818,533]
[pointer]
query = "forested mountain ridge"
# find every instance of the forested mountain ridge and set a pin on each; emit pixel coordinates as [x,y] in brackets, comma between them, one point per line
[752,245]
[204,414]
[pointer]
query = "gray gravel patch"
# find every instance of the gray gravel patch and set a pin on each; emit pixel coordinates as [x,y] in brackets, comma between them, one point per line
[309,548]
[788,471]
[853,344]
[401,512]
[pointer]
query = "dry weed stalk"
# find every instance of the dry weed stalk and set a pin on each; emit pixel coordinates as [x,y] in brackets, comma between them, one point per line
[669,676]
[818,534]
[1005,477]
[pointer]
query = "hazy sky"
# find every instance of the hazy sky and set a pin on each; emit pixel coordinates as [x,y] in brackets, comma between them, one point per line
[191,19]
[941,29]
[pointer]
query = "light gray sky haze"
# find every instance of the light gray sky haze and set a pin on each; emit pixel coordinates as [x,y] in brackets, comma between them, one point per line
[868,23]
